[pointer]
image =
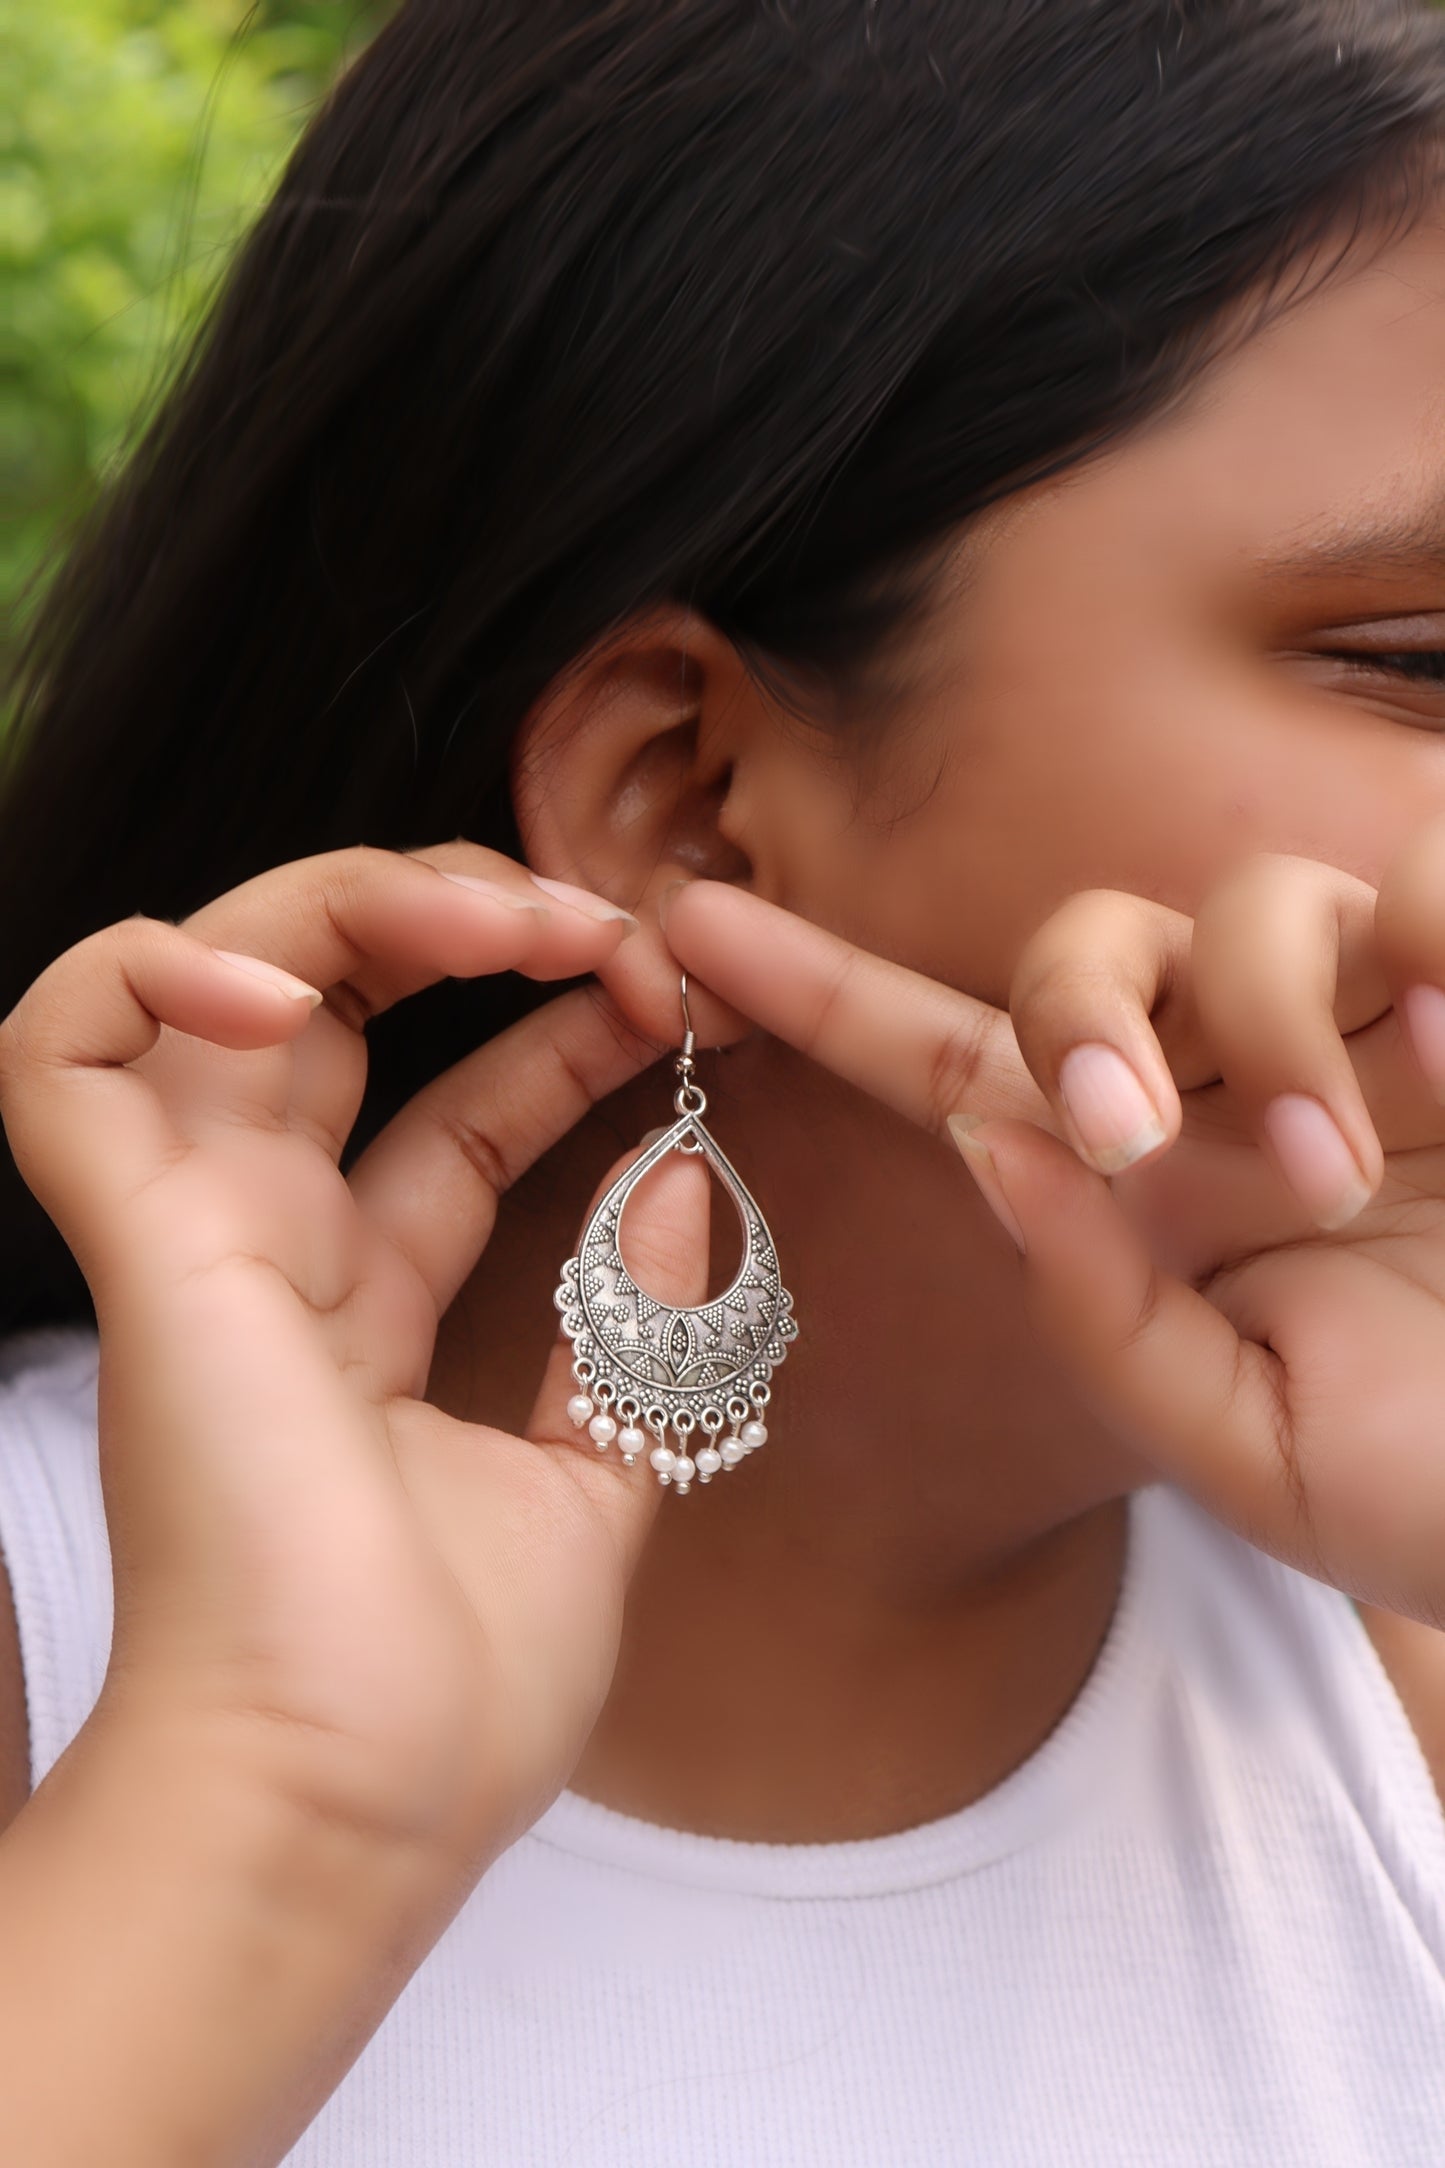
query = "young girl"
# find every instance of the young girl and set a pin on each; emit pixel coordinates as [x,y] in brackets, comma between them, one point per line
[929,517]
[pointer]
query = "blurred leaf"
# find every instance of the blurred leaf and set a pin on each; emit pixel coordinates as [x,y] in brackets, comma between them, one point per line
[141,137]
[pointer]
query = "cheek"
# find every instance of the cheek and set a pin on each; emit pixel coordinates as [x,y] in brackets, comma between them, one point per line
[1154,785]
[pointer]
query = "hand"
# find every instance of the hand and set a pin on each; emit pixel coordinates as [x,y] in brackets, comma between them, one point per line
[1258,1303]
[407,1620]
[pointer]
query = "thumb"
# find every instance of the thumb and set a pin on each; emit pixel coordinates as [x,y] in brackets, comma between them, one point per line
[664,1241]
[1162,1365]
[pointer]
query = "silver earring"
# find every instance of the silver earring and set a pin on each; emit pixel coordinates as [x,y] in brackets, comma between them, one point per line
[643,1366]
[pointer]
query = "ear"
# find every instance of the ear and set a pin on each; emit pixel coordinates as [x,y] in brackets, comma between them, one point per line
[621,779]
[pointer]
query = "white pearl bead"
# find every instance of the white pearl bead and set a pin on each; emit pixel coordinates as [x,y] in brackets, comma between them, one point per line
[733,1450]
[709,1460]
[754,1434]
[684,1472]
[663,1459]
[579,1407]
[602,1429]
[631,1440]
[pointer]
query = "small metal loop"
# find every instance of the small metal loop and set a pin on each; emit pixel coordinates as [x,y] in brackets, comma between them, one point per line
[690,1098]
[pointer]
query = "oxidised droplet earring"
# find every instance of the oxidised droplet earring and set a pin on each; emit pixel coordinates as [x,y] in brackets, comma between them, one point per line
[645,1366]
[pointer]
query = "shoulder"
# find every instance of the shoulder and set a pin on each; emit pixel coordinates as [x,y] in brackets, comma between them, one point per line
[54,1555]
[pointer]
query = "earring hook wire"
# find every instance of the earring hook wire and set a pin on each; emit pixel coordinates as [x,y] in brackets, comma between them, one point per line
[689,1098]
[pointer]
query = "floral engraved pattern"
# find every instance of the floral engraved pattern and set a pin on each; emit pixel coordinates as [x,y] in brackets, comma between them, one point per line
[692,1359]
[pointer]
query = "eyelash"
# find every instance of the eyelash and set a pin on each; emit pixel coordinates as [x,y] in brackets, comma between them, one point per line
[1425,665]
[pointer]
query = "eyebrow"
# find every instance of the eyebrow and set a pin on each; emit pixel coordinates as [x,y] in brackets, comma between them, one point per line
[1405,542]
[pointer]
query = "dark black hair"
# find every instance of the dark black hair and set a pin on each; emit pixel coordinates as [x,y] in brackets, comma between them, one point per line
[565,306]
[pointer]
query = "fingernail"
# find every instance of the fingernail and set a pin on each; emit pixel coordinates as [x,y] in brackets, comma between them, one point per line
[979,1161]
[1424,1008]
[645,1144]
[582,899]
[507,896]
[284,981]
[1114,1115]
[1315,1159]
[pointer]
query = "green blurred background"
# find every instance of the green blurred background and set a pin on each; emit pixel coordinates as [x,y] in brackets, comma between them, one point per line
[140,138]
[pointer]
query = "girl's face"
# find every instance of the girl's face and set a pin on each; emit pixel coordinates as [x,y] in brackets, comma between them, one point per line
[1227,636]
[1224,637]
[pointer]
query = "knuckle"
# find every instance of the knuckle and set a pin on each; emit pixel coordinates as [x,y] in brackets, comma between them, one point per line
[1266,881]
[12,1050]
[1273,869]
[348,860]
[1070,982]
[1268,867]
[370,862]
[629,1038]
[1091,909]
[36,1033]
[1412,891]
[955,1064]
[1143,1314]
[1084,936]
[829,1001]
[477,1146]
[342,877]
[1283,1442]
[457,851]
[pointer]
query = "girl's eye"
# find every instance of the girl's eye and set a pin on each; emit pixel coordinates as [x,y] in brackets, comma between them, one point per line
[1426,665]
[1403,684]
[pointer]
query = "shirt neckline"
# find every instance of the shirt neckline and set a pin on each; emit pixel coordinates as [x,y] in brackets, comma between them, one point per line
[1038,1795]
[1035,1797]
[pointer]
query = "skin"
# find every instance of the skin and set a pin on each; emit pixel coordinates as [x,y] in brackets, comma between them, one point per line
[1123,684]
[316,1732]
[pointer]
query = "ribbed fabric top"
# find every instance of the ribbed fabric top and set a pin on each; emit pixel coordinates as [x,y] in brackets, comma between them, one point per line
[1203,1924]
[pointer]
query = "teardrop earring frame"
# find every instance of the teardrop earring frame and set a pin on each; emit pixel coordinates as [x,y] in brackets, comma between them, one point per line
[642,1365]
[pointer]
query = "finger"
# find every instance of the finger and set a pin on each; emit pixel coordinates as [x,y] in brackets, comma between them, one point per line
[664,1236]
[579,929]
[1410,932]
[371,927]
[1160,1363]
[383,924]
[917,1046]
[430,1181]
[1097,995]
[1284,964]
[88,1133]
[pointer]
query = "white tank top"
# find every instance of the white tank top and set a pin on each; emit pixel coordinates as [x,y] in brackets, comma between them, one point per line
[1203,1926]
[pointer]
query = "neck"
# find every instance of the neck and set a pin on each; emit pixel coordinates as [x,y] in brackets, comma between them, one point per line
[819,1647]
[767,1689]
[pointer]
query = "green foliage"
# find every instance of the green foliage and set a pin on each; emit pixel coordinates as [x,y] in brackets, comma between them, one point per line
[145,136]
